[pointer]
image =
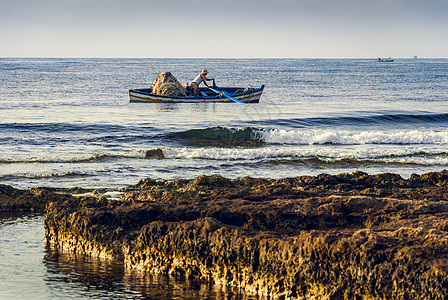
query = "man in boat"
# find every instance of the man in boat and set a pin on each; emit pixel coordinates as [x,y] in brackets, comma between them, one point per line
[194,86]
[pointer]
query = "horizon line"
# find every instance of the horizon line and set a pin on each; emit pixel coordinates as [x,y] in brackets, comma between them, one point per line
[171,57]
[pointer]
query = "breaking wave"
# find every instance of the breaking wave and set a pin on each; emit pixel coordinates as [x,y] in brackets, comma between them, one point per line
[352,137]
[374,120]
[250,137]
[285,152]
[220,136]
[307,156]
[75,159]
[43,176]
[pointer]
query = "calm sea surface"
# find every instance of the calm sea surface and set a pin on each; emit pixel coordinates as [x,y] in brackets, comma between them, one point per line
[68,122]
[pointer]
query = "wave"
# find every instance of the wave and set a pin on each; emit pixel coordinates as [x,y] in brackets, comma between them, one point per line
[74,159]
[353,137]
[273,155]
[250,137]
[294,131]
[220,136]
[381,119]
[44,176]
[349,162]
[311,155]
[375,120]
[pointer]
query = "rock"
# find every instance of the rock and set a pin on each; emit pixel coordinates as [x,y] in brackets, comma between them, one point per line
[346,236]
[35,199]
[166,84]
[155,153]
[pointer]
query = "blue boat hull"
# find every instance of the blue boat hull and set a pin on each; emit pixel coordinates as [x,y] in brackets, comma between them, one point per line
[208,96]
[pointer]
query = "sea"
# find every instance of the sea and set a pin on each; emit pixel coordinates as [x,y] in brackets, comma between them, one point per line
[68,122]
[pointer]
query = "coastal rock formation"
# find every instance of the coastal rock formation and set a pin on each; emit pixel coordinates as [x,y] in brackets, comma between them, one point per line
[35,199]
[347,236]
[166,84]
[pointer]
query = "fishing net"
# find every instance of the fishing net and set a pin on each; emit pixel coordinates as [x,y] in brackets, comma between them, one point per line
[166,84]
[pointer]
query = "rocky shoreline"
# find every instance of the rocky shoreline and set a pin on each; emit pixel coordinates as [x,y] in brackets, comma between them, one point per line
[33,200]
[352,236]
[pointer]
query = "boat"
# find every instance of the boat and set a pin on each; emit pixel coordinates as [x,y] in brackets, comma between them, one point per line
[385,59]
[207,95]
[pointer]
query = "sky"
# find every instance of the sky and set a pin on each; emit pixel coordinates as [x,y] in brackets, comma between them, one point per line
[224,28]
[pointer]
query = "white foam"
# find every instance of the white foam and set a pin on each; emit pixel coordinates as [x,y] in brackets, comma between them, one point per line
[43,175]
[379,153]
[74,158]
[321,137]
[226,153]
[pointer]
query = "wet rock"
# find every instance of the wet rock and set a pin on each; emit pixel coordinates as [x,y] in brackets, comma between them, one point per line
[35,199]
[166,84]
[155,153]
[346,236]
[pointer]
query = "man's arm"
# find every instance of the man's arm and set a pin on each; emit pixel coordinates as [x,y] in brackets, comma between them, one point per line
[206,79]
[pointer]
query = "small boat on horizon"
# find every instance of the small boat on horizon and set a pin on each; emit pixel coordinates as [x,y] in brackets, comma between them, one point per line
[385,59]
[206,95]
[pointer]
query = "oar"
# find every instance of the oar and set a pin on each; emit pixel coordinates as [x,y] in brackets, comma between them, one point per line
[225,94]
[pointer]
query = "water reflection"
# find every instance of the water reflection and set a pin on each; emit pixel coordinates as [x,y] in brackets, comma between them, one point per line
[73,276]
[69,275]
[30,269]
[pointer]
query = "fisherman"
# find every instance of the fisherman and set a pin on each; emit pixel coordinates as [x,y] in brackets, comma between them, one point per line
[194,87]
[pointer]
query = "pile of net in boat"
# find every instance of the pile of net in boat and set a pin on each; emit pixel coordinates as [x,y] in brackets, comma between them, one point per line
[166,84]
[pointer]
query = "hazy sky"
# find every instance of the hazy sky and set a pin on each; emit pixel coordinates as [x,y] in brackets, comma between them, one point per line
[224,28]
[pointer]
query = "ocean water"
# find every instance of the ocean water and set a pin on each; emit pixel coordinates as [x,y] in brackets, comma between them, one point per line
[68,122]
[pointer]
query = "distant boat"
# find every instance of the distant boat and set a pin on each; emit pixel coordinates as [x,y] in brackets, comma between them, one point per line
[385,59]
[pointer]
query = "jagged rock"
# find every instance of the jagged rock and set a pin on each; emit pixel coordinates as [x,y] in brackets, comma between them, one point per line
[35,199]
[346,236]
[166,84]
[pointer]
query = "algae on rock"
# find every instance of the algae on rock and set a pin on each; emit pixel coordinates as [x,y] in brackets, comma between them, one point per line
[341,236]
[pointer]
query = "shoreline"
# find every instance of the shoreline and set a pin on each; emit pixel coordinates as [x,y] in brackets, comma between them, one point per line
[326,236]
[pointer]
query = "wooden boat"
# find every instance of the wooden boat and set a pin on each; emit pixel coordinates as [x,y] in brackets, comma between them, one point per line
[208,95]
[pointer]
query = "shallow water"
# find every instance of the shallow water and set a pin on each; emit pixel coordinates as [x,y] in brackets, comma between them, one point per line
[32,270]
